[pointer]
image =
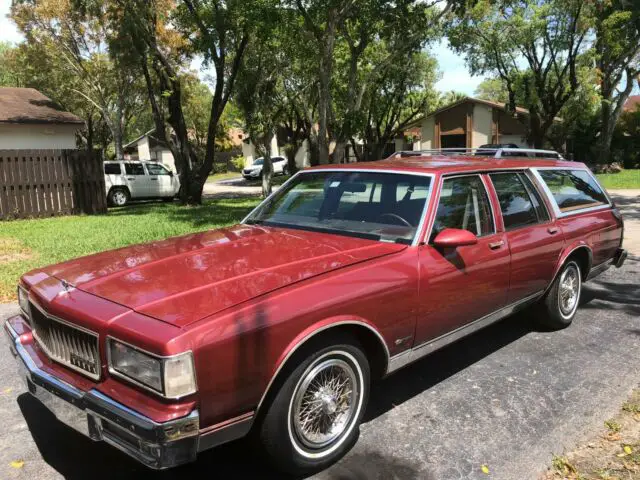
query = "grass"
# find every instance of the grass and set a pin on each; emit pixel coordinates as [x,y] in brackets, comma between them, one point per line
[216,177]
[29,244]
[622,180]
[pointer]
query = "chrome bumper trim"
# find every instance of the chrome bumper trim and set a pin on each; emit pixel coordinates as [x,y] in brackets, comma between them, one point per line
[156,445]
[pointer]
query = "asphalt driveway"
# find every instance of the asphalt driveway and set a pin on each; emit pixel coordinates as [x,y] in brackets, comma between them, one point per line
[509,397]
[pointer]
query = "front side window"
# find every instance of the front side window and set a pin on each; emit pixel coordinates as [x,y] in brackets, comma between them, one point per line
[573,189]
[517,206]
[464,204]
[155,169]
[382,206]
[134,169]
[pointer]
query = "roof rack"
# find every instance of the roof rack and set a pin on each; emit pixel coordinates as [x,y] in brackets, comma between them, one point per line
[501,152]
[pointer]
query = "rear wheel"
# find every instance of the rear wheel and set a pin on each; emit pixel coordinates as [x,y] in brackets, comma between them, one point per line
[561,302]
[285,170]
[313,419]
[118,197]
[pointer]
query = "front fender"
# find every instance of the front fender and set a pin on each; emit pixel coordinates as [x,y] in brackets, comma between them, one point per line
[311,331]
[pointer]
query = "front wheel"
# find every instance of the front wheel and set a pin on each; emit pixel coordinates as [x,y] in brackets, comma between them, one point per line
[561,302]
[285,170]
[314,418]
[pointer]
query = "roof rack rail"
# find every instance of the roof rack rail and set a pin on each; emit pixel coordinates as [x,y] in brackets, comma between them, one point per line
[500,152]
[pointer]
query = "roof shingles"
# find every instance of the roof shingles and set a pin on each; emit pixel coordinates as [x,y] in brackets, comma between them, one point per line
[28,105]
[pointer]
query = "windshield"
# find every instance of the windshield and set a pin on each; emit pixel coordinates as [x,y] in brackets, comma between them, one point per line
[381,206]
[259,161]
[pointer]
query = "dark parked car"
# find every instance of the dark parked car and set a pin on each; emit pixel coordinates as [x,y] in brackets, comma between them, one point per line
[277,326]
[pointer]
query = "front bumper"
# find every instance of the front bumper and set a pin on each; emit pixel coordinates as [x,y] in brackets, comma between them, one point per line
[156,445]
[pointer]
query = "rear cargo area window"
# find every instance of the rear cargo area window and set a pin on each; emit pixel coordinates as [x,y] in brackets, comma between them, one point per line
[573,189]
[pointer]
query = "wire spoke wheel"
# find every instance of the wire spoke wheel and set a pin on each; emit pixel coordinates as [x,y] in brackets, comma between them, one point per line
[569,290]
[325,403]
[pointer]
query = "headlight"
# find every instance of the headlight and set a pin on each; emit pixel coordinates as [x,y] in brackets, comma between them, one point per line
[171,377]
[23,300]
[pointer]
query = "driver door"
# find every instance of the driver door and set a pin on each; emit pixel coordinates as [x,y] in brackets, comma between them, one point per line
[461,285]
[160,180]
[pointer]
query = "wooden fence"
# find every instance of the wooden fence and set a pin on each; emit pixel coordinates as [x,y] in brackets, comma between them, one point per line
[43,183]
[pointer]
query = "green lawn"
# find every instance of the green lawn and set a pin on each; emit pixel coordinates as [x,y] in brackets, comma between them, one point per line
[216,177]
[28,244]
[624,179]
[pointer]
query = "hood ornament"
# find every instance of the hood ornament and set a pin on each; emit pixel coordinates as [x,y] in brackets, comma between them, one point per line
[67,287]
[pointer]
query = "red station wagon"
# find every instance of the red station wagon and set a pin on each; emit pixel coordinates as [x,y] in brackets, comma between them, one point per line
[277,326]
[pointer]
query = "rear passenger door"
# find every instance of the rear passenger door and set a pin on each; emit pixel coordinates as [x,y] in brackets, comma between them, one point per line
[460,285]
[535,241]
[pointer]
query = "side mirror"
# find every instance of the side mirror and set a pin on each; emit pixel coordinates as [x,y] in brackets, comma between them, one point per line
[170,173]
[454,237]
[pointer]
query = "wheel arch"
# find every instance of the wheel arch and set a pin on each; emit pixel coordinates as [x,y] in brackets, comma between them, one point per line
[582,253]
[370,338]
[119,187]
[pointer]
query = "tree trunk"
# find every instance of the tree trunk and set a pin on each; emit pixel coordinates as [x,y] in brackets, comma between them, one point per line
[267,169]
[339,152]
[324,91]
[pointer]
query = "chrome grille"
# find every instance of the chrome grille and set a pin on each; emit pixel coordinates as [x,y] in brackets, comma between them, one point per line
[69,345]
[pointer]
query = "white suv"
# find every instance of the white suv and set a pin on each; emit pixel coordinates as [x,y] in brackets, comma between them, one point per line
[280,167]
[130,180]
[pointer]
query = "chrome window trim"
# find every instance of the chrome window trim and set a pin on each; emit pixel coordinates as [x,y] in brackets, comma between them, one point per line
[70,325]
[444,177]
[162,358]
[556,209]
[312,334]
[425,209]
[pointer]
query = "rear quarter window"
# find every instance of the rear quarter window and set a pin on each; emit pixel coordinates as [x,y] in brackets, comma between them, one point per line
[112,169]
[573,189]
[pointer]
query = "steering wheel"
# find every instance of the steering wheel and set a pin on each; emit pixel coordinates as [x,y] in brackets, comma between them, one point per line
[397,217]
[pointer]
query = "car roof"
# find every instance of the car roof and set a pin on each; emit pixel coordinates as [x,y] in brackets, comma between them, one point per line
[450,164]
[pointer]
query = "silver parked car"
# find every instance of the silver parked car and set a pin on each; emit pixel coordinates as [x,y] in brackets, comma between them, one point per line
[134,180]
[280,167]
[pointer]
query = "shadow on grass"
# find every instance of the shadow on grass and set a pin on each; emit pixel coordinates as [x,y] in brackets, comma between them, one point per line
[215,212]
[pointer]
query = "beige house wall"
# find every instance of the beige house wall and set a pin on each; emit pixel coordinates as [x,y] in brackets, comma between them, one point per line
[32,136]
[482,121]
[426,132]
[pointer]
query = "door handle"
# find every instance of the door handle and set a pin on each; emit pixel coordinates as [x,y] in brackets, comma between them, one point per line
[154,179]
[131,178]
[552,230]
[496,245]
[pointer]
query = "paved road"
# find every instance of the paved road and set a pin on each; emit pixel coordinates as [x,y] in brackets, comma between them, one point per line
[628,201]
[508,397]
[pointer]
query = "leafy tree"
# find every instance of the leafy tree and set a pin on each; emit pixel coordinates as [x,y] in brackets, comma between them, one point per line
[617,48]
[343,33]
[160,37]
[492,89]
[73,39]
[9,76]
[401,93]
[533,46]
[259,94]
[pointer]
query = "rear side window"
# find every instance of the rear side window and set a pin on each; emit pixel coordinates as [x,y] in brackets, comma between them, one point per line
[517,205]
[134,168]
[573,189]
[112,169]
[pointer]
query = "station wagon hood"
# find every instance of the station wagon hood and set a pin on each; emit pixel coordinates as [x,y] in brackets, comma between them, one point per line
[184,279]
